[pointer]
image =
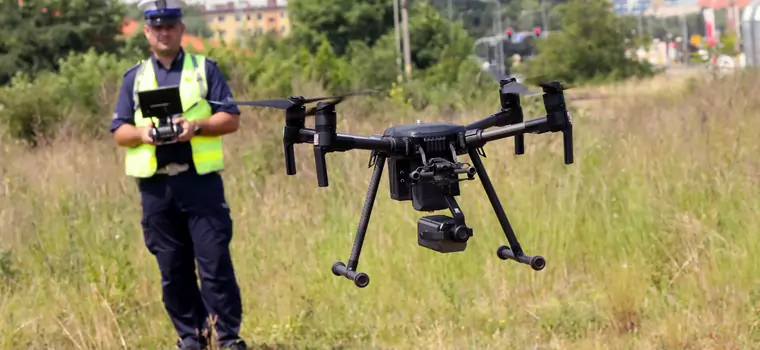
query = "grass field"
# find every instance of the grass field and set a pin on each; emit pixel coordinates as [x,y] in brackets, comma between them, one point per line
[651,238]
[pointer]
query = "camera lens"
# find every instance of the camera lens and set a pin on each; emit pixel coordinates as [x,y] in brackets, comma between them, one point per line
[461,233]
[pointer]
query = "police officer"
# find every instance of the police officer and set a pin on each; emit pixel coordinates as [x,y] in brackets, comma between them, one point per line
[185,216]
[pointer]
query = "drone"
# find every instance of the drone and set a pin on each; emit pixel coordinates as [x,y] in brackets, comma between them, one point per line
[423,163]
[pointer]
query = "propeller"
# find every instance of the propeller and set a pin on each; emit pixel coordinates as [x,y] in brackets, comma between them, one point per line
[295,113]
[322,106]
[555,86]
[517,88]
[520,89]
[292,101]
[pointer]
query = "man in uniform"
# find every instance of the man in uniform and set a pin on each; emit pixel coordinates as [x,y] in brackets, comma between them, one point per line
[185,216]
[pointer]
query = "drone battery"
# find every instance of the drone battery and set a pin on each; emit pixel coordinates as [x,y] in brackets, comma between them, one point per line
[435,232]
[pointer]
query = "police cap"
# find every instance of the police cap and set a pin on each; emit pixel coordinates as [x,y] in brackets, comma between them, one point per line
[159,12]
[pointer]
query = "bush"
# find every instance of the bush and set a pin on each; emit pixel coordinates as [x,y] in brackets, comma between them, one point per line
[80,98]
[31,109]
[77,99]
[590,48]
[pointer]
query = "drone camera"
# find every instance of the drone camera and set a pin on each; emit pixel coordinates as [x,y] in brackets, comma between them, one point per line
[442,234]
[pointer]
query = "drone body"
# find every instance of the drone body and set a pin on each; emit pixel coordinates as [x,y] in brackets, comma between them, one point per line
[429,178]
[424,166]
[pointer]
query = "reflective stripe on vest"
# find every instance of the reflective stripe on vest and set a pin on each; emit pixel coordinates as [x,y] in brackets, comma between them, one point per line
[207,150]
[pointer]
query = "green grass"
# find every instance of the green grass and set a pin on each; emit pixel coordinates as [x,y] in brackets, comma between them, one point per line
[651,239]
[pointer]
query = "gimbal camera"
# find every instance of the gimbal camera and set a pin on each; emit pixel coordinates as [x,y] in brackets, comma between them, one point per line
[423,165]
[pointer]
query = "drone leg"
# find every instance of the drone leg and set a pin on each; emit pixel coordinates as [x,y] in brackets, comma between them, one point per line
[504,252]
[339,269]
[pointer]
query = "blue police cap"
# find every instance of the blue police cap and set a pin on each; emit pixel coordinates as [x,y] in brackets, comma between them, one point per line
[158,12]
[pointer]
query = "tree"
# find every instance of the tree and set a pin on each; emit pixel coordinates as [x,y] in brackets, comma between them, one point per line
[36,34]
[433,41]
[590,47]
[339,21]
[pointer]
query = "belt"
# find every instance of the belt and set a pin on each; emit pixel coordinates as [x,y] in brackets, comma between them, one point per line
[173,169]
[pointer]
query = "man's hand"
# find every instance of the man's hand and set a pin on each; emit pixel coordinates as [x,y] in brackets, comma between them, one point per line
[130,136]
[145,136]
[188,129]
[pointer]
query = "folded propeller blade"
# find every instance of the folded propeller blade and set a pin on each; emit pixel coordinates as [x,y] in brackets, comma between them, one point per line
[341,97]
[313,110]
[289,102]
[556,86]
[278,103]
[517,88]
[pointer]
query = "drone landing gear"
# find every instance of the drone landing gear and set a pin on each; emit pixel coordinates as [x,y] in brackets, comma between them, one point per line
[361,279]
[515,252]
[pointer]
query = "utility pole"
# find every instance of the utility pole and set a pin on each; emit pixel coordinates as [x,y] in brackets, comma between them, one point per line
[407,49]
[239,16]
[685,39]
[736,16]
[544,18]
[500,45]
[451,21]
[399,67]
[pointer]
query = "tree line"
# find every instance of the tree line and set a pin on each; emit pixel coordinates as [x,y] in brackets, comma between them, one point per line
[72,55]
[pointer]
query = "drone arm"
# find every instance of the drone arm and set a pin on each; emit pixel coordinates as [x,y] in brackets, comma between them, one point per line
[479,137]
[554,122]
[498,118]
[346,142]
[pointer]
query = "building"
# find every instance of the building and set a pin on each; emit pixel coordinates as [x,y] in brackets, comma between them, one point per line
[628,7]
[240,19]
[636,7]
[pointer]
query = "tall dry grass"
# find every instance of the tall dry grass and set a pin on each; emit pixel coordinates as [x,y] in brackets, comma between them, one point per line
[651,238]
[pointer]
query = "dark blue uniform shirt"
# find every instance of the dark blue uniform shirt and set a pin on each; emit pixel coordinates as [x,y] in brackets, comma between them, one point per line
[218,90]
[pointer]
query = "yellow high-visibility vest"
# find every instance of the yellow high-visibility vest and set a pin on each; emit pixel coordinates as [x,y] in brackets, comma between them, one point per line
[207,152]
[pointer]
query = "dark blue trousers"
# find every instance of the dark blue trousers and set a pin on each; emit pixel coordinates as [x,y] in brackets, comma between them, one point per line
[186,219]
